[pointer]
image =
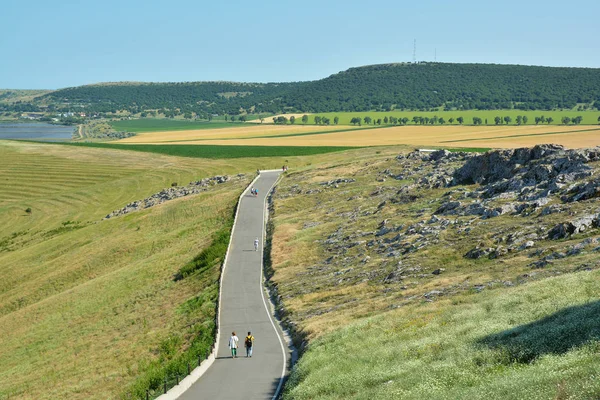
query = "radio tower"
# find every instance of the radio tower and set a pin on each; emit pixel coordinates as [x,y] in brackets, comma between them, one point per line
[415,52]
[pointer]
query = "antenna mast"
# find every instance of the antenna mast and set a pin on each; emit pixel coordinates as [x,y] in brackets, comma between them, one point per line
[415,52]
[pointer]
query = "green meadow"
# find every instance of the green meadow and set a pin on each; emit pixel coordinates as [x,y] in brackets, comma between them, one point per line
[218,151]
[539,341]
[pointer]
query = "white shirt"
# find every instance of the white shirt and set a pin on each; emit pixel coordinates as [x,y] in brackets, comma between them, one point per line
[256,242]
[233,342]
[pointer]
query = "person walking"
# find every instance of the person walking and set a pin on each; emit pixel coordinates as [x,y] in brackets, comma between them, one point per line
[233,344]
[256,244]
[249,342]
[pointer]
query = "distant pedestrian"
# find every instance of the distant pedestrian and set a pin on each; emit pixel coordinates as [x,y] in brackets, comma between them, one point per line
[233,344]
[256,244]
[255,192]
[252,190]
[248,342]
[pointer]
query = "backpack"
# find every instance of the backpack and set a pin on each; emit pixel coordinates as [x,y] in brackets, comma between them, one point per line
[248,341]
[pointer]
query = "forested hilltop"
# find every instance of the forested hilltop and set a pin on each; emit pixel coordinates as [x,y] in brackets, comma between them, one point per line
[385,87]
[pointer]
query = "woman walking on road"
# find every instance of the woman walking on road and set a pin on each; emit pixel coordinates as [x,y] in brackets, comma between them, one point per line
[249,342]
[256,244]
[233,344]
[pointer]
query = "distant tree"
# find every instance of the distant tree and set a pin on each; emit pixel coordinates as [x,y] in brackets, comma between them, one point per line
[210,117]
[442,121]
[367,120]
[577,120]
[416,119]
[187,115]
[537,120]
[336,120]
[355,120]
[304,119]
[385,120]
[292,120]
[519,120]
[226,118]
[599,117]
[460,120]
[477,121]
[317,120]
[497,120]
[542,119]
[394,120]
[486,121]
[525,119]
[451,120]
[566,120]
[404,120]
[507,119]
[325,120]
[262,120]
[378,121]
[242,118]
[281,120]
[232,118]
[549,120]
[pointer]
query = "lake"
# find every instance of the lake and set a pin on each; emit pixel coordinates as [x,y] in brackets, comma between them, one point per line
[36,131]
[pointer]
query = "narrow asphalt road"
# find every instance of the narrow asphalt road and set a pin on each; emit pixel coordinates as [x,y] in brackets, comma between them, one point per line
[243,309]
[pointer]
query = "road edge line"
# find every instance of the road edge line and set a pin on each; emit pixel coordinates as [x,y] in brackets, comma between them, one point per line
[263,287]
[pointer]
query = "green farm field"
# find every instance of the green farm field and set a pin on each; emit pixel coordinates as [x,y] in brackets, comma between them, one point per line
[589,117]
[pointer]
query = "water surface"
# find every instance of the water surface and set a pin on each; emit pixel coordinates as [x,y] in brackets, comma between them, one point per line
[34,131]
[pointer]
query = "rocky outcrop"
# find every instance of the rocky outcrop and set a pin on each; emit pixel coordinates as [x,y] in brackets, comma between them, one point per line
[579,225]
[170,194]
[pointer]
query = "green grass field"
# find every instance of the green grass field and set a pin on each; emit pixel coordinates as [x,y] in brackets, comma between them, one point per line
[540,341]
[157,125]
[218,151]
[589,117]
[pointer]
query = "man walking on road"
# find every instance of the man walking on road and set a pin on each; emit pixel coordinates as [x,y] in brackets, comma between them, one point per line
[248,342]
[233,344]
[256,244]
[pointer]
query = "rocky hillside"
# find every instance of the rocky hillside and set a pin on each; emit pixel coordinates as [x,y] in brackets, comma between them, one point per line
[388,230]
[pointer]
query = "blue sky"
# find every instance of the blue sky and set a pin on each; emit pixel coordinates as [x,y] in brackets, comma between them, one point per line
[50,45]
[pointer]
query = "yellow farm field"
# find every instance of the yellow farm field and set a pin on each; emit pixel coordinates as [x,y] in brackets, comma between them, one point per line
[240,132]
[442,136]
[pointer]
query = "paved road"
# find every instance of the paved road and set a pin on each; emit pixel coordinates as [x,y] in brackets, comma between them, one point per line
[243,310]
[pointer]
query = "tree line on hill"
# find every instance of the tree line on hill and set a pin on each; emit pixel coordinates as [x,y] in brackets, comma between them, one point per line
[386,87]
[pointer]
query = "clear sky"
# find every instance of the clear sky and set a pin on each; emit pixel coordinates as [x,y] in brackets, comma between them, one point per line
[53,44]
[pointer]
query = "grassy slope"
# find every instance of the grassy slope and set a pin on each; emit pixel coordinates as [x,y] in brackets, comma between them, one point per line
[82,303]
[86,303]
[422,350]
[465,348]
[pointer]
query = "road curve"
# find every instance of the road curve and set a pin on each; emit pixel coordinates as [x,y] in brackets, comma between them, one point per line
[243,309]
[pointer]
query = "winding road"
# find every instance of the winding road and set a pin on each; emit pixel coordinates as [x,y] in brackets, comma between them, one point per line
[244,307]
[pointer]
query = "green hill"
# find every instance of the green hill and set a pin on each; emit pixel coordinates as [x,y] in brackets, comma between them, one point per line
[382,87]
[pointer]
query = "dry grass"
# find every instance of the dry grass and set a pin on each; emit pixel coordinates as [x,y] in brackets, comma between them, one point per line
[239,132]
[420,136]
